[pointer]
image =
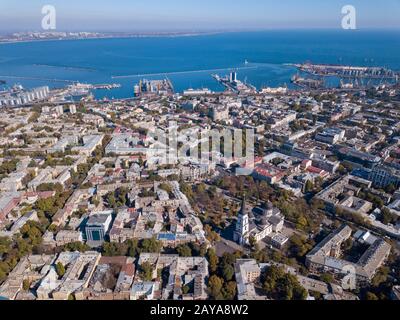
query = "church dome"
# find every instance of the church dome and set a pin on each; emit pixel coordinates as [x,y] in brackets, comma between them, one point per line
[264,222]
[268,211]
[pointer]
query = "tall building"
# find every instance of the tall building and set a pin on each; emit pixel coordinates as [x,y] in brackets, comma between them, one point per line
[20,96]
[233,77]
[219,113]
[382,176]
[72,109]
[241,233]
[97,227]
[60,110]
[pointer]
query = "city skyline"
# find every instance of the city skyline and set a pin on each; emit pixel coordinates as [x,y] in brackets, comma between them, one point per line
[177,15]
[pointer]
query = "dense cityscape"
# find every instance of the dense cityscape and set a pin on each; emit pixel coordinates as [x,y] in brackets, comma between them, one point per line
[93,207]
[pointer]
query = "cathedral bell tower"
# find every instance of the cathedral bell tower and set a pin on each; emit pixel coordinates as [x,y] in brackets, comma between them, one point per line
[241,234]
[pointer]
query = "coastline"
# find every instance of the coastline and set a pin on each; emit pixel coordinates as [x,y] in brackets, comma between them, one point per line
[184,34]
[133,36]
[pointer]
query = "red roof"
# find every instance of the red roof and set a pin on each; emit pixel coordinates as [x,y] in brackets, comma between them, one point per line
[43,194]
[129,269]
[313,169]
[269,171]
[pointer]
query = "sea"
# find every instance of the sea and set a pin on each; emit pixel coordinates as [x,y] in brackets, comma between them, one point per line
[259,58]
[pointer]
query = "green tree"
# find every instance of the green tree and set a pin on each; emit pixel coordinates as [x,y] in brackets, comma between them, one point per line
[215,285]
[184,250]
[213,260]
[3,275]
[299,246]
[146,271]
[212,236]
[253,241]
[371,296]
[60,269]
[46,206]
[309,186]
[133,247]
[185,289]
[301,222]
[112,202]
[50,187]
[151,245]
[26,285]
[113,249]
[76,246]
[166,187]
[381,276]
[388,217]
[5,245]
[327,278]
[203,250]
[271,277]
[317,204]
[228,272]
[32,231]
[229,290]
[71,297]
[390,188]
[282,286]
[228,258]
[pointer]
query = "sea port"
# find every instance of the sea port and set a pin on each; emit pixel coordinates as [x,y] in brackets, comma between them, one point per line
[231,83]
[342,71]
[307,83]
[83,89]
[153,87]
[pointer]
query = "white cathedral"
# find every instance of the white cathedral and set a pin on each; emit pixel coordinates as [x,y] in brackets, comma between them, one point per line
[268,222]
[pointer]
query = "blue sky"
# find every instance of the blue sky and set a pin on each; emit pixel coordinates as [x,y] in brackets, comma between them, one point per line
[168,15]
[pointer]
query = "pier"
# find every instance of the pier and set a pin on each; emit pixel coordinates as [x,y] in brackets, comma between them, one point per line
[39,79]
[106,86]
[341,71]
[164,74]
[307,83]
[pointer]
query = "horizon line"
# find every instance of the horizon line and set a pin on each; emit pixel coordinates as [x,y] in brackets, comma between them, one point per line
[200,30]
